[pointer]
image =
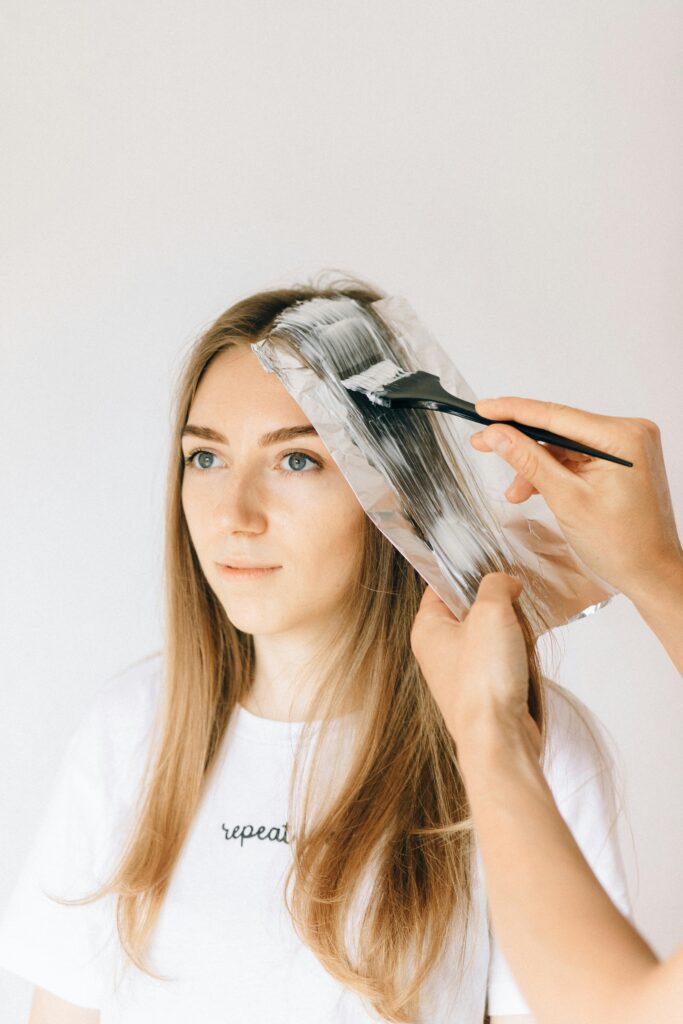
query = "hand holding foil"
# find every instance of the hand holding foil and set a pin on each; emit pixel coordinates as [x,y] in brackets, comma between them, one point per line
[477,670]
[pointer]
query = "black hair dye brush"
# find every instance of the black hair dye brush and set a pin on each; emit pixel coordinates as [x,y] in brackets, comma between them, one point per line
[386,384]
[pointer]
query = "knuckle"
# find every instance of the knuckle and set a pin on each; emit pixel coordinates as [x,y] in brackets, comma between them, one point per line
[555,411]
[526,461]
[556,416]
[649,427]
[639,430]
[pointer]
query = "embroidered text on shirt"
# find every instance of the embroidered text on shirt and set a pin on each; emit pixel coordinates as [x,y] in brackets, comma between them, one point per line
[243,832]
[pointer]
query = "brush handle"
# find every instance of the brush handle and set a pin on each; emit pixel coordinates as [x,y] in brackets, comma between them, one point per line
[460,407]
[539,434]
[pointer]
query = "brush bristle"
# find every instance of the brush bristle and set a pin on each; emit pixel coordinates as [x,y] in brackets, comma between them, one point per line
[376,377]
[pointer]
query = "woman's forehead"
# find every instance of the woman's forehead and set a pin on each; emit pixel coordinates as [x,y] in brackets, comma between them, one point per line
[236,388]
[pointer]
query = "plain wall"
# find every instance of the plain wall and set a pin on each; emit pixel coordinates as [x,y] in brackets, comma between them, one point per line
[512,168]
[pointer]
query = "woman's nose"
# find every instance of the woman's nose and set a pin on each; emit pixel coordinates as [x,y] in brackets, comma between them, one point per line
[242,503]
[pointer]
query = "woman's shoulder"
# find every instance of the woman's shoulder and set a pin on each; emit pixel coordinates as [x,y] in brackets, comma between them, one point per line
[578,745]
[132,690]
[117,725]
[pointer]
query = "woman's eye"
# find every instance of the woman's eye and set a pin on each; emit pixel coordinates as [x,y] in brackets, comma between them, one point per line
[189,460]
[300,458]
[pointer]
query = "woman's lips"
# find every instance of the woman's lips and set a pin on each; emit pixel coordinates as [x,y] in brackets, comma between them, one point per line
[227,570]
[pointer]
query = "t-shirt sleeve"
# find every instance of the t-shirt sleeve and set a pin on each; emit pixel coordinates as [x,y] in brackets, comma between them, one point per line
[580,774]
[66,949]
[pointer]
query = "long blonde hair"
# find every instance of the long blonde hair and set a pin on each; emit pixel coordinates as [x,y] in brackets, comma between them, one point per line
[400,805]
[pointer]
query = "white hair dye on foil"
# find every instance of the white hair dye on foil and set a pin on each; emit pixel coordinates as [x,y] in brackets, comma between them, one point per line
[438,500]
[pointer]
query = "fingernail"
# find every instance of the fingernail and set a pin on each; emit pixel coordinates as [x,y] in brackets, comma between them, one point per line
[498,441]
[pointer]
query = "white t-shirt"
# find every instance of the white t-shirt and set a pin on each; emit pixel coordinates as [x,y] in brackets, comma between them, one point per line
[223,933]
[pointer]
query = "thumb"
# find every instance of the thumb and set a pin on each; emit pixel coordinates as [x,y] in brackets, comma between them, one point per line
[530,459]
[500,587]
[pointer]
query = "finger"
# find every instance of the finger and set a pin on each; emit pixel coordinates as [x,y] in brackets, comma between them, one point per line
[593,429]
[428,596]
[533,463]
[434,606]
[567,456]
[520,490]
[499,587]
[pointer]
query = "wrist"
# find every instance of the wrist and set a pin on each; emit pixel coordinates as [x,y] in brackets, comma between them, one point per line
[666,582]
[499,758]
[488,735]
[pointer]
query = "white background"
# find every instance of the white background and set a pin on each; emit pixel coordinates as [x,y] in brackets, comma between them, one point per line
[512,168]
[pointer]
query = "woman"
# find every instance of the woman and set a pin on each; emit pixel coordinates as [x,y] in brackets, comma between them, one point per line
[574,954]
[188,805]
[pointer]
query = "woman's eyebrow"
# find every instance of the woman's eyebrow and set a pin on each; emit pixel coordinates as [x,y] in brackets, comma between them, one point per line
[272,437]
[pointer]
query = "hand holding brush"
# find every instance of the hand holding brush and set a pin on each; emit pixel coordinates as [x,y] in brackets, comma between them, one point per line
[620,524]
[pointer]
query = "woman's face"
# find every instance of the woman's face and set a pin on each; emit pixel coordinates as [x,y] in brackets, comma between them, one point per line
[267,502]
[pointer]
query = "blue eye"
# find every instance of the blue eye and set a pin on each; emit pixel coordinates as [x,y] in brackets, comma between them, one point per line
[190,461]
[300,455]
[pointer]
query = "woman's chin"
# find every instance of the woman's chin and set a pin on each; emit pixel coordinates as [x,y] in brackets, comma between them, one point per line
[261,621]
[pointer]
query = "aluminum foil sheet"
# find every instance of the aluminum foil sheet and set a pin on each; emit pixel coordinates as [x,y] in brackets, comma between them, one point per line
[439,501]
